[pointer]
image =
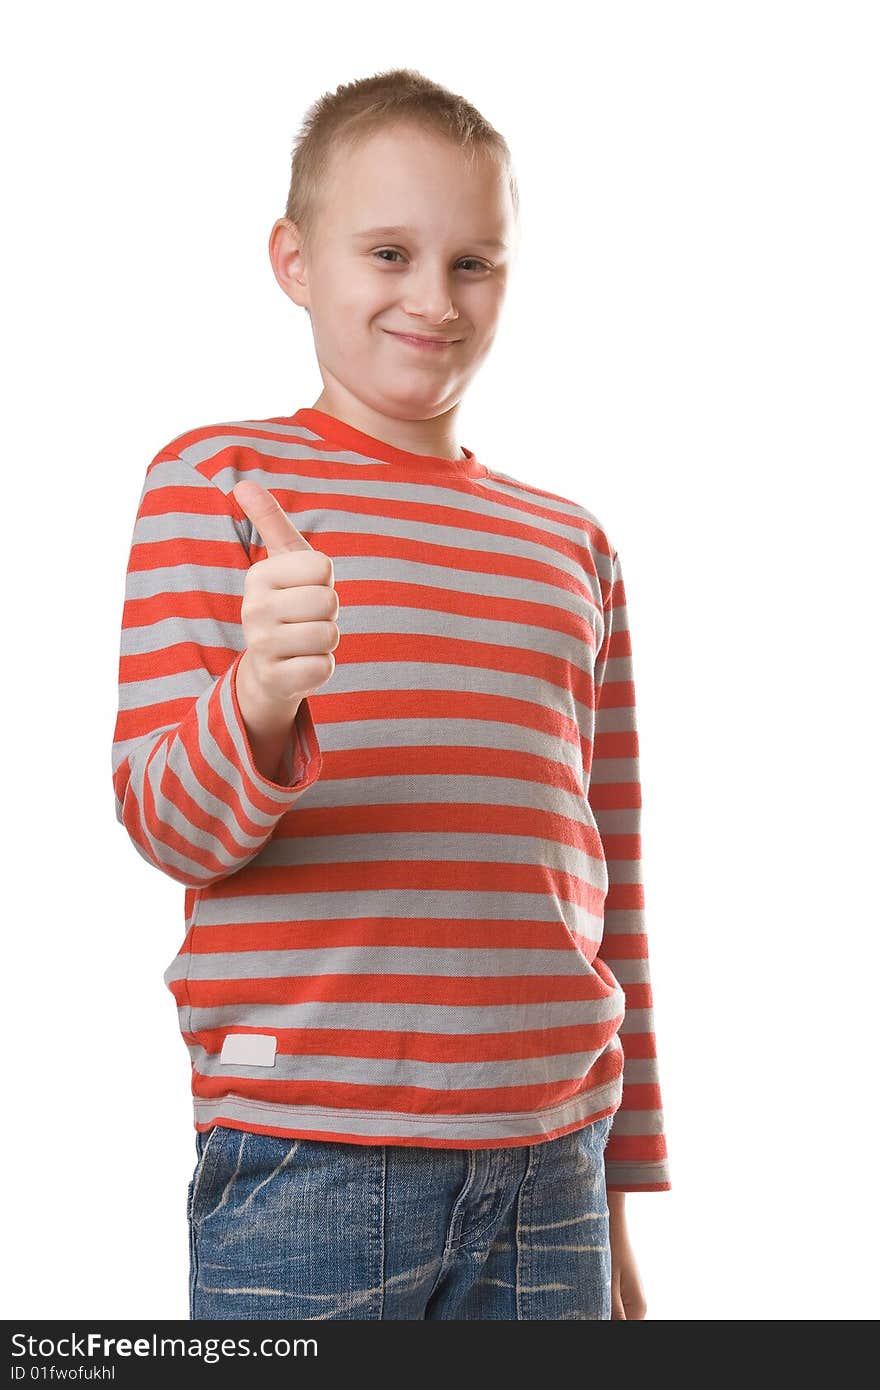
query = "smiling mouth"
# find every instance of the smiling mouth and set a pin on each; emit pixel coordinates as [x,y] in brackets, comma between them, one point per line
[430,344]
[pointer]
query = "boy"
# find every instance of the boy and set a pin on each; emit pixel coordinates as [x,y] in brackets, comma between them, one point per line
[377,715]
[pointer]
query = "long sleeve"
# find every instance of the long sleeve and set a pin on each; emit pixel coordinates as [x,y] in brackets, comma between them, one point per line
[187,789]
[635,1156]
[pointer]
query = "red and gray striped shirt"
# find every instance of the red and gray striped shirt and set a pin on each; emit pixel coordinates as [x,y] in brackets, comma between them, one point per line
[431,930]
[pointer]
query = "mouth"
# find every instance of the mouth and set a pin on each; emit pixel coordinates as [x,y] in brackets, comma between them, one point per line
[426,344]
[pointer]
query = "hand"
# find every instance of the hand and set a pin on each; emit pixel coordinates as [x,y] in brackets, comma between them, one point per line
[290,606]
[627,1294]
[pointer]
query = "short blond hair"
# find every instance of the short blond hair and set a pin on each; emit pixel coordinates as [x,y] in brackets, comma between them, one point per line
[356,110]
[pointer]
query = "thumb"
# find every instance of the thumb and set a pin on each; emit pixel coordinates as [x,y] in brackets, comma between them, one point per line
[275,527]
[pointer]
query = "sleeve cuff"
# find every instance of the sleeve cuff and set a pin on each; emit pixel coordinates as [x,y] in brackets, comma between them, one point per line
[623,1176]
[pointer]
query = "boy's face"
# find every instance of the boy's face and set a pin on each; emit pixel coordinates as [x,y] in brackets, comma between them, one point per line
[437,275]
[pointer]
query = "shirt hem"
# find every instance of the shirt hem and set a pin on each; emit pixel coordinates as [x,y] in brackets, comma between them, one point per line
[514,1128]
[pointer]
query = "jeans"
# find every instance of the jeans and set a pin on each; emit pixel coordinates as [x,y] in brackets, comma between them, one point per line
[312,1228]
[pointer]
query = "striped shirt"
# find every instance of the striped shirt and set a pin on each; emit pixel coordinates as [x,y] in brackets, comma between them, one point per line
[431,930]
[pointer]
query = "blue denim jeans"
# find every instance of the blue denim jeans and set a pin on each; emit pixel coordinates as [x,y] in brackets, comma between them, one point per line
[313,1228]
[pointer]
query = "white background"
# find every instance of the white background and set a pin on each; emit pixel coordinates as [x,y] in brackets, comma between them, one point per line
[690,349]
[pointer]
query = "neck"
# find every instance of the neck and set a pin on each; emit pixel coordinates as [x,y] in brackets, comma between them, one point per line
[435,437]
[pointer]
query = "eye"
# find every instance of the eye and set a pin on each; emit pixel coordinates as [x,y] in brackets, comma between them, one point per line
[392,251]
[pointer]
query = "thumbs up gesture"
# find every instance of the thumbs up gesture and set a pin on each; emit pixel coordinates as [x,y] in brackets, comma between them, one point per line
[289,608]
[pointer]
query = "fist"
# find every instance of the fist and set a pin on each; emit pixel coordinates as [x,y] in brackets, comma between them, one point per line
[290,606]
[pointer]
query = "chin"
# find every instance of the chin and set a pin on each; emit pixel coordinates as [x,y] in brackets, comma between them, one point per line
[417,405]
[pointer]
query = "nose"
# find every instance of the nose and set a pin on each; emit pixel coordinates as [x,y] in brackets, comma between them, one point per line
[427,296]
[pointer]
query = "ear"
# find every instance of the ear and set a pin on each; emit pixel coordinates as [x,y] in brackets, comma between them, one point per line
[288,264]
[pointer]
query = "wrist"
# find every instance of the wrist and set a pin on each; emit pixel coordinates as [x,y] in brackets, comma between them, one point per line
[263,714]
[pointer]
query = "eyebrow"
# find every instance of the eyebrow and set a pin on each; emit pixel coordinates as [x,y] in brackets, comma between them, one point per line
[493,243]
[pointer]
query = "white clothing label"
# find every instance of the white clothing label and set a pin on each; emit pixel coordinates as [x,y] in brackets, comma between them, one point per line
[254,1049]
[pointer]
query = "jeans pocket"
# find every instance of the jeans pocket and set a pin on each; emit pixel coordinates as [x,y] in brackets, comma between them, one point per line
[206,1164]
[593,1137]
